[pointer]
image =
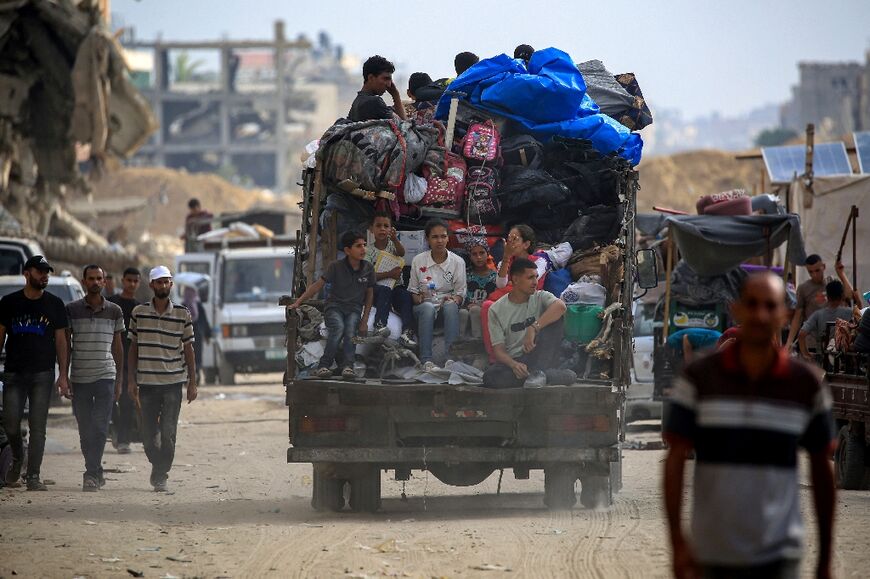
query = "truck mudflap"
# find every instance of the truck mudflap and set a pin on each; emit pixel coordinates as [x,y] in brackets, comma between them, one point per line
[423,456]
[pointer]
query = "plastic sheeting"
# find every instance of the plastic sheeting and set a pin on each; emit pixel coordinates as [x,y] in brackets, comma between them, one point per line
[714,244]
[547,97]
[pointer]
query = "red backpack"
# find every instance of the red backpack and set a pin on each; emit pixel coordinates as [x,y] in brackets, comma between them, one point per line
[482,143]
[448,189]
[483,204]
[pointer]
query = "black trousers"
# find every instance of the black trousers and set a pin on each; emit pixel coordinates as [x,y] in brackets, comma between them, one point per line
[161,406]
[545,356]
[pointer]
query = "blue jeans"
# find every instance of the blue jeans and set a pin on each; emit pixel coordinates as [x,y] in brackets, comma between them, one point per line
[426,314]
[92,405]
[161,406]
[398,298]
[18,388]
[341,328]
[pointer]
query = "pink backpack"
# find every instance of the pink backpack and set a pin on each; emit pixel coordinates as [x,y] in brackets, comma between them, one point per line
[482,143]
[447,190]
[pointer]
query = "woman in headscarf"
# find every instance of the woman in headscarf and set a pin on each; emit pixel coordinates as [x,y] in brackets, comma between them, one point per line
[201,328]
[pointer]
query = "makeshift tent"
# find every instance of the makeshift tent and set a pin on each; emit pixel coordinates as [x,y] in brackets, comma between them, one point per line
[547,97]
[714,244]
[824,212]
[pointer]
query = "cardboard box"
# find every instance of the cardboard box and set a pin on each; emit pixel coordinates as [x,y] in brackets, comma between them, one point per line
[414,242]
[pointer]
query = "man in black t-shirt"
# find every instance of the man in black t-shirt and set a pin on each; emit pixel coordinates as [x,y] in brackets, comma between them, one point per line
[377,79]
[33,326]
[125,412]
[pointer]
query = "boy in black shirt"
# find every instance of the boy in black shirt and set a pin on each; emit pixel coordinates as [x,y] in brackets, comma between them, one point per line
[352,282]
[125,412]
[369,104]
[33,326]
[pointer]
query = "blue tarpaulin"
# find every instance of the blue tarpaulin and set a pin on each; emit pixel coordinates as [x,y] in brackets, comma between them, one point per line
[547,97]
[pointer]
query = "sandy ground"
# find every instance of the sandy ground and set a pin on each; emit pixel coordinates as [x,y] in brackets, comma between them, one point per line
[236,509]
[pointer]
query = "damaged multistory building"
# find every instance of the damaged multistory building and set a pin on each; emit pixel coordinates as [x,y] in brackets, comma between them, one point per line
[65,100]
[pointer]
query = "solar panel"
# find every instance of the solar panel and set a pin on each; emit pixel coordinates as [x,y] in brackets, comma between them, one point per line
[862,146]
[783,163]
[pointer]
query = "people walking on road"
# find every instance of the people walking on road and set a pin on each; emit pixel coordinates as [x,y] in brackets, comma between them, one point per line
[33,326]
[201,327]
[161,362]
[351,283]
[744,411]
[124,416]
[95,336]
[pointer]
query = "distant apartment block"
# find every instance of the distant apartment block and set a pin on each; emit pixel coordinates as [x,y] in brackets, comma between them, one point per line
[834,96]
[242,108]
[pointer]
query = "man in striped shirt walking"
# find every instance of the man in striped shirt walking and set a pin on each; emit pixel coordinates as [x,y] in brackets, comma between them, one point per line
[161,362]
[97,363]
[745,411]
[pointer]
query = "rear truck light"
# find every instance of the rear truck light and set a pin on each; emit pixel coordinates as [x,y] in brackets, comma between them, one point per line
[315,424]
[225,330]
[588,423]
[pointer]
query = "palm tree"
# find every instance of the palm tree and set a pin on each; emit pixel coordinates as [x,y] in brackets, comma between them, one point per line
[185,69]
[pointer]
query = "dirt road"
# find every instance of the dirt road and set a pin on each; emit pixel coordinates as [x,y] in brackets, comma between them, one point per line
[236,509]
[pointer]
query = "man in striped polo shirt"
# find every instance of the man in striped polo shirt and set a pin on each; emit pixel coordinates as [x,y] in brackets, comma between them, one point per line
[160,362]
[96,366]
[745,410]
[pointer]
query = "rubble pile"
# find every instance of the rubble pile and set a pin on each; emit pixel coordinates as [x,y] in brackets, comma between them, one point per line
[64,99]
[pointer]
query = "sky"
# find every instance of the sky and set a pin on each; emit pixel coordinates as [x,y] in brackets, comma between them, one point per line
[694,56]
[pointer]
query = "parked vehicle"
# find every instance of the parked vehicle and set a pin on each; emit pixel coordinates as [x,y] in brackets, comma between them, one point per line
[14,253]
[239,284]
[848,374]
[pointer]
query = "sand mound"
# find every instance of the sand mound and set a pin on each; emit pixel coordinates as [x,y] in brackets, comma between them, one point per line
[168,191]
[676,181]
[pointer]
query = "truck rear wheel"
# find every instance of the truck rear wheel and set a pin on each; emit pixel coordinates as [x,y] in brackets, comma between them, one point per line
[559,486]
[209,375]
[596,491]
[328,492]
[365,490]
[849,459]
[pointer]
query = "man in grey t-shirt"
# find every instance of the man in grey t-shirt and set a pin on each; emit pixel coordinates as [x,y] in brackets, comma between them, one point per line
[526,331]
[817,323]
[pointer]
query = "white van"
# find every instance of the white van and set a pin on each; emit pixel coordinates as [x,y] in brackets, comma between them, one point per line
[240,288]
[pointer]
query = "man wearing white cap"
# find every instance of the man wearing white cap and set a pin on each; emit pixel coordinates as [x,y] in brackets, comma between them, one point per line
[161,361]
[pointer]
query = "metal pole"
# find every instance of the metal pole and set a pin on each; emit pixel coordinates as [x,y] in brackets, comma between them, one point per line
[855,248]
[668,270]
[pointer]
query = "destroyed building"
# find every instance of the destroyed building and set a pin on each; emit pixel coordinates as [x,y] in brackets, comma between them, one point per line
[239,108]
[65,102]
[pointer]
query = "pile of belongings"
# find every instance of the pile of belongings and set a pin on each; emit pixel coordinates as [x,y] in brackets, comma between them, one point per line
[547,143]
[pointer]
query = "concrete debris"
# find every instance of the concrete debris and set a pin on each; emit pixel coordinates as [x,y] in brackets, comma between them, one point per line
[63,92]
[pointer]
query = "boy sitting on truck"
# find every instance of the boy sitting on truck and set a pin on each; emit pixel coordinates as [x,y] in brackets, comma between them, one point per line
[351,282]
[383,239]
[526,328]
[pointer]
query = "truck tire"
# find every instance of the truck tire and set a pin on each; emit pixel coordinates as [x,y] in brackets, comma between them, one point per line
[849,458]
[596,491]
[365,490]
[226,373]
[328,492]
[559,486]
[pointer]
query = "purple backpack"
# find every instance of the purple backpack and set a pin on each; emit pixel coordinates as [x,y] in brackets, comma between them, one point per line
[480,189]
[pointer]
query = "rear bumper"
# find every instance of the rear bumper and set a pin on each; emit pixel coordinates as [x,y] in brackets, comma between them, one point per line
[419,457]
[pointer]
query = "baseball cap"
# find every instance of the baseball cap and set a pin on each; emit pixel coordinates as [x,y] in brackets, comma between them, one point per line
[159,272]
[39,262]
